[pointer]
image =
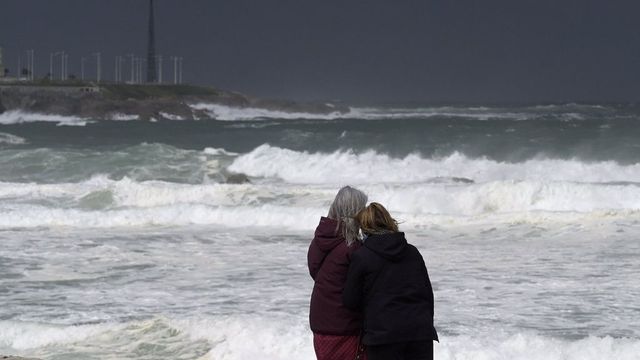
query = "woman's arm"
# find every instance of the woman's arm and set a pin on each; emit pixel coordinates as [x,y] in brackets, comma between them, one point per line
[315,257]
[353,289]
[427,283]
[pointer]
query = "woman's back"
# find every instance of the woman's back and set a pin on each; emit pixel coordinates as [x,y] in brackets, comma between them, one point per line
[394,290]
[328,260]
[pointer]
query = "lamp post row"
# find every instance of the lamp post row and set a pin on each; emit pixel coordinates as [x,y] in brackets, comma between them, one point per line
[136,67]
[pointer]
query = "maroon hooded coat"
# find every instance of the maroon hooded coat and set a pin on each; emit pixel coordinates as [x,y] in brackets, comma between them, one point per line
[328,259]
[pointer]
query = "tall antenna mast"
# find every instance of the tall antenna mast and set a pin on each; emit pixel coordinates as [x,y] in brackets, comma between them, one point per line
[151,48]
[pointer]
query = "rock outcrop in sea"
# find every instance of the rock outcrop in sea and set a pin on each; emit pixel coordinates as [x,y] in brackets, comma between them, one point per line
[143,102]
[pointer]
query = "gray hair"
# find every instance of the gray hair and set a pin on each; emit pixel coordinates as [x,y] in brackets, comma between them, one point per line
[348,202]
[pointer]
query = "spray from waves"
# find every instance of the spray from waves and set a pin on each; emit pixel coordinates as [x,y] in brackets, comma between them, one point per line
[20,117]
[370,167]
[10,139]
[271,338]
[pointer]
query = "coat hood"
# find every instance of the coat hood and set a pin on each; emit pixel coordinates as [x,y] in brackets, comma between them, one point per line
[390,246]
[327,234]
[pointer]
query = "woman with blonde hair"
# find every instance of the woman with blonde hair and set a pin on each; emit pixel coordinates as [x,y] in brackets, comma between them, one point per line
[336,329]
[389,282]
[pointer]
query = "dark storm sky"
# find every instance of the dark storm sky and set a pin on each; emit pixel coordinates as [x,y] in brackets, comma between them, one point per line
[357,51]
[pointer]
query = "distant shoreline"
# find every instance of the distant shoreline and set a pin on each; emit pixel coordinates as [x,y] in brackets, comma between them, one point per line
[145,102]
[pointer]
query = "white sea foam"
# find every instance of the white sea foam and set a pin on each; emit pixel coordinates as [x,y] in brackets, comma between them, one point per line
[19,117]
[418,190]
[477,113]
[289,189]
[273,338]
[346,166]
[24,336]
[532,347]
[103,203]
[10,139]
[123,117]
[171,116]
[219,151]
[228,113]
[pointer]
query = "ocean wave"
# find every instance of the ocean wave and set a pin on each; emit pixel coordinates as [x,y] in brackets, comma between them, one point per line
[218,152]
[228,113]
[10,139]
[476,113]
[140,162]
[19,117]
[568,112]
[347,166]
[171,116]
[273,338]
[123,117]
[102,203]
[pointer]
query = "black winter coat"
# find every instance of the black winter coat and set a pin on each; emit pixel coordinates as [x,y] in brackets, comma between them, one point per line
[328,259]
[388,280]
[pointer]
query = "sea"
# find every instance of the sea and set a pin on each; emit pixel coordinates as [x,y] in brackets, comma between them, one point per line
[187,239]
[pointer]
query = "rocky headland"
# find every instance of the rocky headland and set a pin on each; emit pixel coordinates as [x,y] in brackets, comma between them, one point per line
[145,102]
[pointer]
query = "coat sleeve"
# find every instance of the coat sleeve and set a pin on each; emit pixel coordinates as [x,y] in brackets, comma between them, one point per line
[315,256]
[427,284]
[353,293]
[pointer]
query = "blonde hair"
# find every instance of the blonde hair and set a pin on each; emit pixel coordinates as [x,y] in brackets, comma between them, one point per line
[347,203]
[375,219]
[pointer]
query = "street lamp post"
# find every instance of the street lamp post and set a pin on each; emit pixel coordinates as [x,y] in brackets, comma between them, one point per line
[159,69]
[98,65]
[175,69]
[61,65]
[132,65]
[30,64]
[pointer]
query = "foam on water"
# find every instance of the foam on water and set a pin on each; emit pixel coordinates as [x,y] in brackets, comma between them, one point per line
[19,117]
[171,116]
[563,112]
[219,151]
[10,139]
[245,337]
[288,189]
[101,202]
[228,113]
[123,117]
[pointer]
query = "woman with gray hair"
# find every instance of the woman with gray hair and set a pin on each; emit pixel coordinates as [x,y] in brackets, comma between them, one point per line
[336,329]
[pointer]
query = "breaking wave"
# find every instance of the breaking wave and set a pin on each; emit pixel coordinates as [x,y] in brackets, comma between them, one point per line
[228,113]
[19,117]
[11,139]
[347,166]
